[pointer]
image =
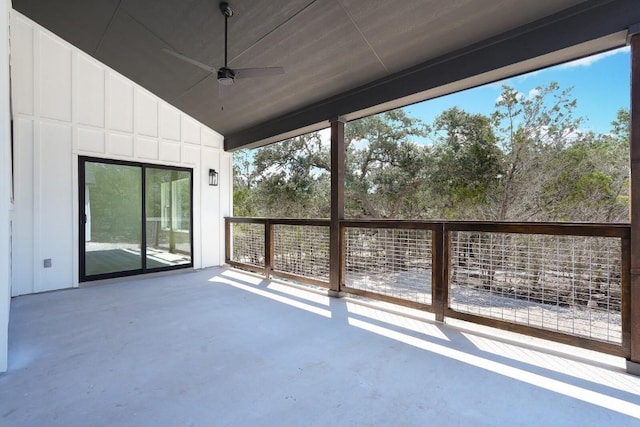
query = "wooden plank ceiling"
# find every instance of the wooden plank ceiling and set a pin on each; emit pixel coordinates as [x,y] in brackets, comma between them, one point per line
[341,57]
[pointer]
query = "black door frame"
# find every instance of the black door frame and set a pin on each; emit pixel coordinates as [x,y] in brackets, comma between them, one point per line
[82,220]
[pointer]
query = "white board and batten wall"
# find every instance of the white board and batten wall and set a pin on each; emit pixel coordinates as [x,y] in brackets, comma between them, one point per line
[67,104]
[6,204]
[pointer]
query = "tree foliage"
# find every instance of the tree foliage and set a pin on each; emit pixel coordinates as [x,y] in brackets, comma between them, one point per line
[384,167]
[528,161]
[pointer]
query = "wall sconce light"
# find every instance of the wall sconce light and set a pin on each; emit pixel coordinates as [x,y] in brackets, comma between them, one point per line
[213,177]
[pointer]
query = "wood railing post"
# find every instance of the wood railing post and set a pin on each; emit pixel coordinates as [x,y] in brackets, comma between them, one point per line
[633,361]
[227,240]
[268,248]
[438,271]
[343,254]
[625,294]
[337,203]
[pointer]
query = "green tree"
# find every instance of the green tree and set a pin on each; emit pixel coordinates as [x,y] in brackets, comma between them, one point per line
[383,173]
[531,130]
[621,127]
[244,177]
[467,163]
[593,181]
[385,169]
[292,178]
[529,161]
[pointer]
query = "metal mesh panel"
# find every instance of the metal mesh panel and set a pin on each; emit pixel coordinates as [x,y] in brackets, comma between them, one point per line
[302,250]
[390,262]
[566,284]
[248,243]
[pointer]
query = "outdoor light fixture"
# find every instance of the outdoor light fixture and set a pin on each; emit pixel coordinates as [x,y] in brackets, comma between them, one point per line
[213,177]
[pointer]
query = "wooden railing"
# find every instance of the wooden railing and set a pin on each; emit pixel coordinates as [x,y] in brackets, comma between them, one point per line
[575,278]
[564,282]
[296,249]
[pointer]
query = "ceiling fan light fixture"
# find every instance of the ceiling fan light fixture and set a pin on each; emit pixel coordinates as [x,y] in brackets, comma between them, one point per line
[225,81]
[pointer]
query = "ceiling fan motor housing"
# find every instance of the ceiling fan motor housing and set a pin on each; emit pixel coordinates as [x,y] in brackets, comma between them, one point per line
[226,76]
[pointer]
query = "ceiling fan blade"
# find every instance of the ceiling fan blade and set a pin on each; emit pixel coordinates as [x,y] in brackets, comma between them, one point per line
[198,64]
[248,73]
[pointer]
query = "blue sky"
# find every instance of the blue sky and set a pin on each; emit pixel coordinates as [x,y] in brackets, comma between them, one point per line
[600,84]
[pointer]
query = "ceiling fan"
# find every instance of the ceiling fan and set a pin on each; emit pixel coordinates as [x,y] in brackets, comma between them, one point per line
[226,75]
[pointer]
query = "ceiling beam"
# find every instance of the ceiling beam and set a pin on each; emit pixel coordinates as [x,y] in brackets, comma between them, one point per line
[583,23]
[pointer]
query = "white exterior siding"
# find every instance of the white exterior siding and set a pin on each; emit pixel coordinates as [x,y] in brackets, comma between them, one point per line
[67,104]
[5,184]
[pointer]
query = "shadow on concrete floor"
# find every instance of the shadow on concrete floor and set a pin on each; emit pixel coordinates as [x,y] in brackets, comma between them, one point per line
[223,347]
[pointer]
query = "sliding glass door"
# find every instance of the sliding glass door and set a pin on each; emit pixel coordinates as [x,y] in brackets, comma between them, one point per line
[135,218]
[168,217]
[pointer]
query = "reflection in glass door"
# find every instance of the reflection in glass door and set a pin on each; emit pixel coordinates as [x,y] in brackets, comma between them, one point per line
[168,217]
[114,241]
[112,212]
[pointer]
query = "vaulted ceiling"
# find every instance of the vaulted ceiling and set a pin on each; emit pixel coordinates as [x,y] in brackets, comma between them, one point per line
[341,57]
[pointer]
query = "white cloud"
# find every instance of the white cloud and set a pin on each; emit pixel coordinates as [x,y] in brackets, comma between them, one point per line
[590,60]
[325,136]
[533,93]
[582,62]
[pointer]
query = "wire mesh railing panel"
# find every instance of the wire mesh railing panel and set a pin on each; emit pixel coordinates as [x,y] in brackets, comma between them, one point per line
[567,284]
[391,262]
[302,250]
[248,243]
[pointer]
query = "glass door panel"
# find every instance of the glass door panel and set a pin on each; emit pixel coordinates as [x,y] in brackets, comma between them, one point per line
[168,217]
[112,223]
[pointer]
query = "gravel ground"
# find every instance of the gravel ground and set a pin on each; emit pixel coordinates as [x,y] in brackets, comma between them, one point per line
[596,323]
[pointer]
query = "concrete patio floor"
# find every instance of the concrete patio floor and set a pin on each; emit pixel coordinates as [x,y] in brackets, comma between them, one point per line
[221,347]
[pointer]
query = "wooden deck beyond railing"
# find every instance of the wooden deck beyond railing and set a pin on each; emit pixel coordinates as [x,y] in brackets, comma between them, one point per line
[564,282]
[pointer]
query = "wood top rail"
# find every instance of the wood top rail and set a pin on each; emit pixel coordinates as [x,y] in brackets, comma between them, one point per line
[549,228]
[307,222]
[246,220]
[404,224]
[315,222]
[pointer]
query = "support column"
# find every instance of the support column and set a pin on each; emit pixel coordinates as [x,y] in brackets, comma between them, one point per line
[633,363]
[337,204]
